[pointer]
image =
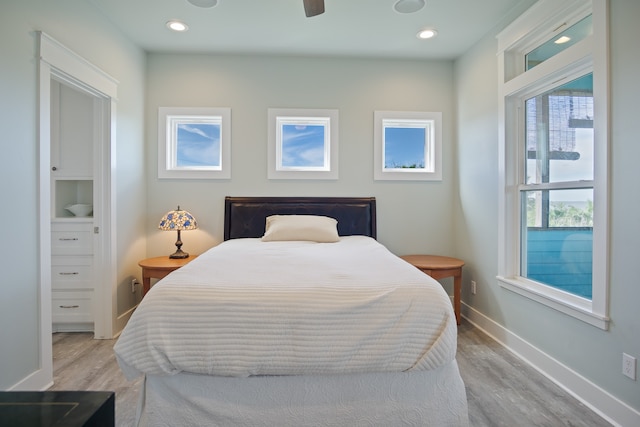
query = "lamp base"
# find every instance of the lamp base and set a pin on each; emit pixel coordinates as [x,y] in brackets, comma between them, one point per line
[179,254]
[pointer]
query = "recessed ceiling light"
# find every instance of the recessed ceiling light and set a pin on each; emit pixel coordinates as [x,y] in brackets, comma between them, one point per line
[427,33]
[203,3]
[562,39]
[177,26]
[408,6]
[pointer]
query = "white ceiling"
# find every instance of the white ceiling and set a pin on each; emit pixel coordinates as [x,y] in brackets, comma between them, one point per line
[355,28]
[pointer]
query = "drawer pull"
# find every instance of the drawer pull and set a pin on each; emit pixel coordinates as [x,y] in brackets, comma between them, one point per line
[69,306]
[70,273]
[67,238]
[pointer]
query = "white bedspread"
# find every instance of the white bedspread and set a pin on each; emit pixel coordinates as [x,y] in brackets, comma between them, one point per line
[434,398]
[248,307]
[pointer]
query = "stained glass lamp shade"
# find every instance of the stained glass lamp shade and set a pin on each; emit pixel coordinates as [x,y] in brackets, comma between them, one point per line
[178,220]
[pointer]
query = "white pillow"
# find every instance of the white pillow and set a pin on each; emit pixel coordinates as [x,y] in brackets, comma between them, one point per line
[321,229]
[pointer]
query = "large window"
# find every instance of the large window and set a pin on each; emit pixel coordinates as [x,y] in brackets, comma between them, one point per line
[556,244]
[554,151]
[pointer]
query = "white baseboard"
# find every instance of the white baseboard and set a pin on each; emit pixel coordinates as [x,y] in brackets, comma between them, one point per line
[72,327]
[600,401]
[122,320]
[39,380]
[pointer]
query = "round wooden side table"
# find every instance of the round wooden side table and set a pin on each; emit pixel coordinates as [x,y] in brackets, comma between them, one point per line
[159,267]
[440,267]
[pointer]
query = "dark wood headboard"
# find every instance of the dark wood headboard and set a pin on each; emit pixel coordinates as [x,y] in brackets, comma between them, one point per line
[246,216]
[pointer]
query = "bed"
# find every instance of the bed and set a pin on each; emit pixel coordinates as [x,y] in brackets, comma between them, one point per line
[325,328]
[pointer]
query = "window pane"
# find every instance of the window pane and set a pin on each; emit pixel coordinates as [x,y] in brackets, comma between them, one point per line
[557,240]
[404,147]
[559,208]
[303,145]
[198,145]
[559,133]
[560,42]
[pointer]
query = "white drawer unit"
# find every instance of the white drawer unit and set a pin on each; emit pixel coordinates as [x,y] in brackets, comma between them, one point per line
[71,272]
[72,275]
[72,311]
[73,238]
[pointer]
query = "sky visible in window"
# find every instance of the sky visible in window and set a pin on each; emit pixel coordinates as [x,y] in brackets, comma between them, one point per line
[303,145]
[571,170]
[198,144]
[569,121]
[404,147]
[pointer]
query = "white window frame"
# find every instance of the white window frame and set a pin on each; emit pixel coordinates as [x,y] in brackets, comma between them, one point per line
[540,23]
[168,120]
[431,122]
[279,117]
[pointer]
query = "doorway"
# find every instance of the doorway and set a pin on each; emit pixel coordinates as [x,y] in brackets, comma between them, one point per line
[77,134]
[59,66]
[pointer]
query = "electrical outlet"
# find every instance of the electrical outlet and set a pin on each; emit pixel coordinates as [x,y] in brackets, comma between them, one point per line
[473,287]
[134,282]
[629,366]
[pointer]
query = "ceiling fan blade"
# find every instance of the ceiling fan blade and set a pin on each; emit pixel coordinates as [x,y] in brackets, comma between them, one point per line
[313,7]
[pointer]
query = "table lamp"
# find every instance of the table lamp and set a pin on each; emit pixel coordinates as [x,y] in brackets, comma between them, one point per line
[178,220]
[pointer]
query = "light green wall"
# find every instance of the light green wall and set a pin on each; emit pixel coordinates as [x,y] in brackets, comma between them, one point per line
[591,352]
[412,216]
[78,26]
[18,253]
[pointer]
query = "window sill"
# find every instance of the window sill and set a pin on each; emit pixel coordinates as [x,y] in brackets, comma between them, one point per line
[565,303]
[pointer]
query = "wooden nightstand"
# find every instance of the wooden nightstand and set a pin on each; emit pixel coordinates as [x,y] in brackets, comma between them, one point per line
[440,267]
[159,267]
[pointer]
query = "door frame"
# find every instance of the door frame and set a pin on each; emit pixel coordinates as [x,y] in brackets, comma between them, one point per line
[56,60]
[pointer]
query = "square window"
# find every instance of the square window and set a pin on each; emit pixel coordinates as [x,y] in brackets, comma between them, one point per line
[303,144]
[194,143]
[407,145]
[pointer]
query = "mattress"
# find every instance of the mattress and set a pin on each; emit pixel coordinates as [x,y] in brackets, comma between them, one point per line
[251,308]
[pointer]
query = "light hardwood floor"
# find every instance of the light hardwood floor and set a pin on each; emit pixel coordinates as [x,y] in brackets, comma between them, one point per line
[501,389]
